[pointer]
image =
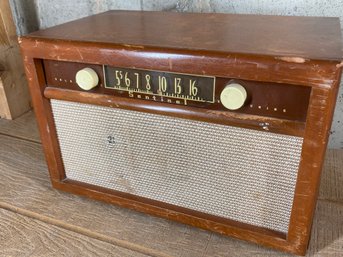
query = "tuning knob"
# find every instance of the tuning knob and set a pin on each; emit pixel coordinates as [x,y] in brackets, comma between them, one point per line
[87,79]
[233,96]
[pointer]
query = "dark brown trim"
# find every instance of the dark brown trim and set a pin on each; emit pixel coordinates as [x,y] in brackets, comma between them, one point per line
[294,128]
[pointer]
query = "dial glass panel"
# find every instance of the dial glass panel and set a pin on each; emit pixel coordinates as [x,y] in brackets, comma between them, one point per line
[172,85]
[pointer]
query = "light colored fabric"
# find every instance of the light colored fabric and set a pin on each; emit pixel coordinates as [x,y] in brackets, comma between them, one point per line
[240,174]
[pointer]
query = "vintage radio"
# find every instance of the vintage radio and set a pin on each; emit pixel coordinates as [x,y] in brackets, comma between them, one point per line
[214,120]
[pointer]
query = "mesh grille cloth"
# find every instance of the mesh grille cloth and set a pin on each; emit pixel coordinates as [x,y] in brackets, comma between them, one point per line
[236,173]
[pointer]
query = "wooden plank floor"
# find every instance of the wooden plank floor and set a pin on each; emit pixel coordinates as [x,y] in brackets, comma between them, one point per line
[24,236]
[36,220]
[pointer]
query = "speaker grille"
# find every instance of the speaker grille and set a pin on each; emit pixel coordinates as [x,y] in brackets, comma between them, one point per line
[236,173]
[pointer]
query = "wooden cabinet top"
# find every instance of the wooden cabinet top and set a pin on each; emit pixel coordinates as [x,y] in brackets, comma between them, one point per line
[317,38]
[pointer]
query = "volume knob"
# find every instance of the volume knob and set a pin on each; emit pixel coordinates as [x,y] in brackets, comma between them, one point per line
[87,79]
[233,96]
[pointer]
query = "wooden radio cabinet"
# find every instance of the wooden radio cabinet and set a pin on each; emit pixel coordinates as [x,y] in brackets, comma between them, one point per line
[219,121]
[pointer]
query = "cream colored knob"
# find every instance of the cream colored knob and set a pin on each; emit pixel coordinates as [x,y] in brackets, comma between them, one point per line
[87,78]
[233,96]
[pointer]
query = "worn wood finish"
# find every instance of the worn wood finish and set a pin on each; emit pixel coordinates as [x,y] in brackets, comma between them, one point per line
[14,94]
[313,152]
[288,127]
[25,185]
[235,65]
[287,64]
[282,36]
[187,216]
[35,73]
[266,96]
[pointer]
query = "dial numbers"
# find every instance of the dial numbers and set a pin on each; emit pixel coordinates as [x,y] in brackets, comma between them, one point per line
[175,85]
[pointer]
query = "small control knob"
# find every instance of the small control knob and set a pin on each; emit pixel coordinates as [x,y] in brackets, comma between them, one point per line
[233,96]
[87,79]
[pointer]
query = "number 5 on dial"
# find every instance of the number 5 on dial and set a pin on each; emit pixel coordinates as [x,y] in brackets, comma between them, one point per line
[119,76]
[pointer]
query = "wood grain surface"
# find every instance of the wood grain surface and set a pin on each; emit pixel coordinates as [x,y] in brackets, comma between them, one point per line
[331,188]
[25,188]
[14,95]
[282,36]
[25,127]
[24,236]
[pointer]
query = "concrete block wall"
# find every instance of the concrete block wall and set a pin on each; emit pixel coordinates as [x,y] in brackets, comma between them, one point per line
[35,14]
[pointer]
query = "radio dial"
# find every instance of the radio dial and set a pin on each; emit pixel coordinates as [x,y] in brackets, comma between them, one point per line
[233,96]
[87,79]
